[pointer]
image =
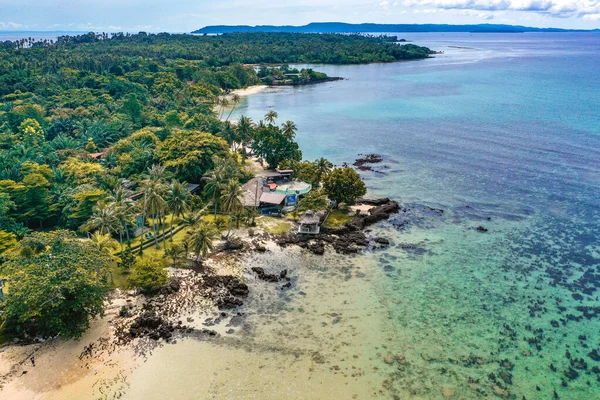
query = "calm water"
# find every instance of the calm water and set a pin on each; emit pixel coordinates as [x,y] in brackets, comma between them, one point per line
[500,131]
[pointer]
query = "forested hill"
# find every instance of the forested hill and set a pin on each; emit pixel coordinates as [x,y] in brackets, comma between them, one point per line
[340,27]
[246,48]
[119,98]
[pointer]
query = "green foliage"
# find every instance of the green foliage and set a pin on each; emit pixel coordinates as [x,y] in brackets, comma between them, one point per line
[8,241]
[315,200]
[344,185]
[189,154]
[148,275]
[58,283]
[126,261]
[271,144]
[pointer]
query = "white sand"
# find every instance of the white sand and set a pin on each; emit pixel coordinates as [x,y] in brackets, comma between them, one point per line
[250,90]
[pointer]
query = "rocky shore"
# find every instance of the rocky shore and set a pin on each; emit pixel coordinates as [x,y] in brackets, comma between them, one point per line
[349,238]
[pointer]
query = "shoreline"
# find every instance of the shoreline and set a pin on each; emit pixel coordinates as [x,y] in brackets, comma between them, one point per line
[248,91]
[107,356]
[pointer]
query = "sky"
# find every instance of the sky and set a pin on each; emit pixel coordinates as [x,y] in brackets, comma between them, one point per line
[188,15]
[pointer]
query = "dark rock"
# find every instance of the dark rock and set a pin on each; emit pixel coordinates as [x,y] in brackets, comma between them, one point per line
[234,243]
[382,241]
[172,287]
[594,355]
[368,159]
[262,275]
[506,377]
[317,248]
[571,374]
[229,302]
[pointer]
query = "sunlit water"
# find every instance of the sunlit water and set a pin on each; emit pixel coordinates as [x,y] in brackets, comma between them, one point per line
[502,132]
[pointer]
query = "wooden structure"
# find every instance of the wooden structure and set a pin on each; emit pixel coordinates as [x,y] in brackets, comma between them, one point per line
[309,223]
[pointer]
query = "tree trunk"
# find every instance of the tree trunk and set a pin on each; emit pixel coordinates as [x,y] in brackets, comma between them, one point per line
[155,231]
[215,201]
[121,239]
[164,234]
[171,229]
[230,225]
[143,224]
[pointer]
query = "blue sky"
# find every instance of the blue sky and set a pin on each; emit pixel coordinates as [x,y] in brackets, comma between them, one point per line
[187,15]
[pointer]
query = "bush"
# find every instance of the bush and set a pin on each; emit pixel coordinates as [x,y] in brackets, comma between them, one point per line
[148,275]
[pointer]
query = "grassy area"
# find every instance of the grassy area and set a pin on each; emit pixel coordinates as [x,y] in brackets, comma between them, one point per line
[337,218]
[273,225]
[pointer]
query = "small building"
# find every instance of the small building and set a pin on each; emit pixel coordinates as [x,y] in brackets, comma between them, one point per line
[193,188]
[272,201]
[309,223]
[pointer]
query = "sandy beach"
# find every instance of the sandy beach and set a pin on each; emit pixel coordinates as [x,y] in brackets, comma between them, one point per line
[250,90]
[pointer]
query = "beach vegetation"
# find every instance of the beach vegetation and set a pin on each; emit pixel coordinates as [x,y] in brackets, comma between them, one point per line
[58,283]
[344,185]
[147,275]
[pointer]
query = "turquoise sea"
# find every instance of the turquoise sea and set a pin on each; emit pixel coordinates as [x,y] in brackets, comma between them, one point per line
[500,131]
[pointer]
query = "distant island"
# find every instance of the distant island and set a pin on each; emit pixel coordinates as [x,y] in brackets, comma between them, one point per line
[341,27]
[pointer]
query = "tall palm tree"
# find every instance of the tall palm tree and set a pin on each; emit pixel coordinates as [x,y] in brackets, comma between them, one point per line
[222,102]
[154,204]
[200,239]
[229,134]
[214,182]
[231,200]
[235,100]
[245,132]
[177,200]
[120,198]
[154,192]
[289,129]
[103,219]
[271,116]
[323,166]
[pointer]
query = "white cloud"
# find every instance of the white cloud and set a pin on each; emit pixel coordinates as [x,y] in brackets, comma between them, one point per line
[555,8]
[11,26]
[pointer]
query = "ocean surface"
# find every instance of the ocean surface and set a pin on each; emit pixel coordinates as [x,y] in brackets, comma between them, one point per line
[502,132]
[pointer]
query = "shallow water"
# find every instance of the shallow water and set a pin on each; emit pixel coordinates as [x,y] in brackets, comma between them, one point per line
[502,134]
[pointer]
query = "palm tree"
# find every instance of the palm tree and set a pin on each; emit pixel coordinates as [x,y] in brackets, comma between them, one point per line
[103,219]
[322,166]
[105,244]
[271,116]
[249,216]
[177,201]
[235,99]
[177,253]
[245,132]
[156,173]
[120,199]
[223,102]
[289,130]
[231,200]
[193,218]
[200,239]
[213,186]
[154,204]
[154,192]
[229,134]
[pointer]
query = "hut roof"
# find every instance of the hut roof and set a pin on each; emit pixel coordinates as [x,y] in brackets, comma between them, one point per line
[192,187]
[272,198]
[309,218]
